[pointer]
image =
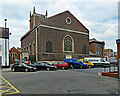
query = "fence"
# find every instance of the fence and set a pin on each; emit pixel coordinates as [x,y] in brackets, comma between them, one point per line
[110,68]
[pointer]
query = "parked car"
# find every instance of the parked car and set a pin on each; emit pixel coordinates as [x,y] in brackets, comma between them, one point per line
[30,64]
[61,65]
[89,64]
[45,65]
[97,61]
[76,63]
[22,67]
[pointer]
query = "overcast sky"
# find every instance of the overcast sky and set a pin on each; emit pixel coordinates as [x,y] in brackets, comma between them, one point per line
[101,18]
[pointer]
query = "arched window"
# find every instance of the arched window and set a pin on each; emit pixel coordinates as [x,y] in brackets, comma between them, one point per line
[27,47]
[49,46]
[83,49]
[68,43]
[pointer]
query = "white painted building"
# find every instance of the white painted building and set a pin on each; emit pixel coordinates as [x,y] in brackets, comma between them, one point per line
[4,47]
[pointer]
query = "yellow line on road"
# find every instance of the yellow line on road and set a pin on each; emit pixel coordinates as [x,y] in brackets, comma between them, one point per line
[12,87]
[99,74]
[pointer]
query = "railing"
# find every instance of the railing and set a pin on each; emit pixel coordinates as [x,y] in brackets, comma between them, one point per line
[110,68]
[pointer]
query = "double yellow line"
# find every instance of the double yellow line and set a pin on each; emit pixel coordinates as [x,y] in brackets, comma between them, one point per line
[11,87]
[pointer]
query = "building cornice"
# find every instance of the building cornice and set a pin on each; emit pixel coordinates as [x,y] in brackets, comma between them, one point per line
[53,27]
[63,29]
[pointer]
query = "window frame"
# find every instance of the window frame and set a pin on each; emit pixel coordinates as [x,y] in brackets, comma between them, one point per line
[84,50]
[49,46]
[64,44]
[67,21]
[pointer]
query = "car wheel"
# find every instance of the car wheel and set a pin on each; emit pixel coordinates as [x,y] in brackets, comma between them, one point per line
[13,70]
[81,67]
[48,69]
[89,66]
[63,68]
[26,69]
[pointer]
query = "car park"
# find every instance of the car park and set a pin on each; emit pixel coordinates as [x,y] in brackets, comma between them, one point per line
[45,66]
[76,63]
[22,67]
[89,64]
[61,65]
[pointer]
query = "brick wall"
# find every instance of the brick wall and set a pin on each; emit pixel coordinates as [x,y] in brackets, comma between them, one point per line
[118,54]
[100,49]
[14,51]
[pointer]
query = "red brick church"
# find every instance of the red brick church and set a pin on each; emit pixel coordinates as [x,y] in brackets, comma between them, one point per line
[55,38]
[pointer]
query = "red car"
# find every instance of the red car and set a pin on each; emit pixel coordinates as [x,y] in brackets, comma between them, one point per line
[61,64]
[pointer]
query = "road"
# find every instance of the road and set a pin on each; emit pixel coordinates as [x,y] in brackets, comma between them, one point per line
[72,81]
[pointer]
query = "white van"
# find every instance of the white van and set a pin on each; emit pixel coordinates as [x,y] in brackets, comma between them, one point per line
[97,61]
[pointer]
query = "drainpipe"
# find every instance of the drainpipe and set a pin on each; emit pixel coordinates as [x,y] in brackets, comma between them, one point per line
[36,47]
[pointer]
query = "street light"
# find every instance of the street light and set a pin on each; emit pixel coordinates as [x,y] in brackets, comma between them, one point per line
[5,43]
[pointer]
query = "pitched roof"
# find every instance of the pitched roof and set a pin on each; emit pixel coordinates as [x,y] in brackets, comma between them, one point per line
[59,20]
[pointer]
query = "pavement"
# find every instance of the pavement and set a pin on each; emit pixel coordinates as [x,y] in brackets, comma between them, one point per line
[6,69]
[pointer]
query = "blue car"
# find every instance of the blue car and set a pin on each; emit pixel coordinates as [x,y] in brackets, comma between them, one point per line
[76,63]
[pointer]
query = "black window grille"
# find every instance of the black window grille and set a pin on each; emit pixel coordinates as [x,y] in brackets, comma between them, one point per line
[67,43]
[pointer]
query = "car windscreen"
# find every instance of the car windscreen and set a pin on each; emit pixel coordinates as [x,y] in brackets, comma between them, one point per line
[42,64]
[24,64]
[77,60]
[85,61]
[102,60]
[46,63]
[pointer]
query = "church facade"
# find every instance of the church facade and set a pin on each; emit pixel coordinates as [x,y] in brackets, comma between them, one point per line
[55,38]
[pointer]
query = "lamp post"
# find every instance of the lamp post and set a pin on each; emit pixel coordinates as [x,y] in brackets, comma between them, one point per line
[5,43]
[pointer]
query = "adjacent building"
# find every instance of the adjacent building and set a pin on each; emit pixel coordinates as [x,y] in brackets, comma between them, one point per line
[14,55]
[96,48]
[4,47]
[109,53]
[55,38]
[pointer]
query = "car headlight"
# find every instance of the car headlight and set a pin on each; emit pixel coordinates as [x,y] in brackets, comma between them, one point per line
[35,68]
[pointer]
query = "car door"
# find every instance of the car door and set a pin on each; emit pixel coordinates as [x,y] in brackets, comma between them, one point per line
[15,66]
[59,65]
[45,65]
[77,64]
[19,67]
[39,66]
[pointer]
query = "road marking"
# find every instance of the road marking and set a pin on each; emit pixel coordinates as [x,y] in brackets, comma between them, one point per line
[99,74]
[7,88]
